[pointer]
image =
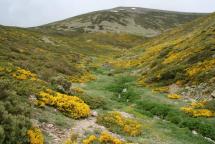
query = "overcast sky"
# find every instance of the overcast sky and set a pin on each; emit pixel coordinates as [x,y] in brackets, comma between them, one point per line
[26,13]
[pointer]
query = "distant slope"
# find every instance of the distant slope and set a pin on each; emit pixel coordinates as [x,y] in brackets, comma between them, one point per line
[50,54]
[138,21]
[184,55]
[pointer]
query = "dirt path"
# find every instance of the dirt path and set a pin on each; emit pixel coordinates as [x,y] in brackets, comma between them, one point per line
[89,125]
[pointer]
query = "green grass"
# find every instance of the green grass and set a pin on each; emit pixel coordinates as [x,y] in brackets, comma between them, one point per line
[154,130]
[52,116]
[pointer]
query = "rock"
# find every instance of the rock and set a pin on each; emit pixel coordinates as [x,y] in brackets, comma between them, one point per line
[194,132]
[124,90]
[119,96]
[125,114]
[209,139]
[156,117]
[94,114]
[50,125]
[213,93]
[173,88]
[32,98]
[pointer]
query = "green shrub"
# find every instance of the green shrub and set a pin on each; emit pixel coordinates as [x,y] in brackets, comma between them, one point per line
[14,115]
[177,117]
[123,83]
[95,102]
[61,84]
[2,136]
[210,105]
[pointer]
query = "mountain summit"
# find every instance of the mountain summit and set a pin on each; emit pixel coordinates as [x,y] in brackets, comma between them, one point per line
[131,20]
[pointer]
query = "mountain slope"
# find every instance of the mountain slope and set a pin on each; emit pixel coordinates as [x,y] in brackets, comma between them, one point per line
[138,21]
[57,84]
[184,55]
[33,61]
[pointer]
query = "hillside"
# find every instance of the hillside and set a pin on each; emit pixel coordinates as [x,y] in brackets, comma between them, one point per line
[182,56]
[32,61]
[138,21]
[67,86]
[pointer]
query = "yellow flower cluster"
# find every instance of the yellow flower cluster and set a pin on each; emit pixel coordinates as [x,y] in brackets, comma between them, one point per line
[128,125]
[90,139]
[68,141]
[70,105]
[2,69]
[22,74]
[175,56]
[124,63]
[78,90]
[86,77]
[141,81]
[196,109]
[199,104]
[35,135]
[174,96]
[105,137]
[200,67]
[161,89]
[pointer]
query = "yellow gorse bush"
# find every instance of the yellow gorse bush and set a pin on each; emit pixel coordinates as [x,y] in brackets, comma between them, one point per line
[200,67]
[70,105]
[196,109]
[174,96]
[90,139]
[107,138]
[104,137]
[124,63]
[199,104]
[22,74]
[2,69]
[128,125]
[35,136]
[86,77]
[161,89]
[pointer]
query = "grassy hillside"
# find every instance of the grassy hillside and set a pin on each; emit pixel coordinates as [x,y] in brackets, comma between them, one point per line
[57,84]
[138,21]
[184,55]
[31,62]
[50,54]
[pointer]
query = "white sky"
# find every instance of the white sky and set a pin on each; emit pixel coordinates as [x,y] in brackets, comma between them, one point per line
[26,13]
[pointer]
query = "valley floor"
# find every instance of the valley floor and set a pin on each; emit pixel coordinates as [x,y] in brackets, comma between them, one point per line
[155,130]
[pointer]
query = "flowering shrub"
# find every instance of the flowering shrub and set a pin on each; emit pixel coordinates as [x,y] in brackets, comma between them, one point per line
[2,69]
[104,137]
[198,112]
[107,138]
[86,77]
[196,109]
[71,105]
[200,67]
[35,135]
[124,63]
[22,74]
[161,89]
[176,56]
[90,139]
[199,104]
[127,125]
[174,96]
